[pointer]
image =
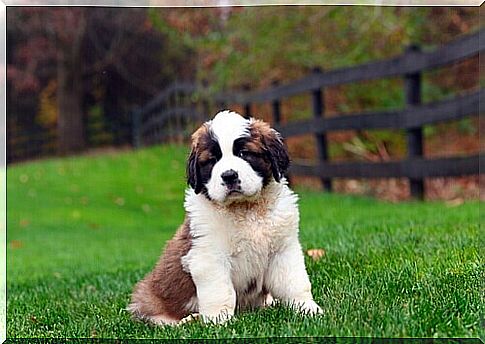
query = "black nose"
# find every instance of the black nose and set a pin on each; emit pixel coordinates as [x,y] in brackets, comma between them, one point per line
[229,177]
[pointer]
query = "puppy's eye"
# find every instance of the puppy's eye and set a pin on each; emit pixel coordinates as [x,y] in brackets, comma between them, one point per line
[244,154]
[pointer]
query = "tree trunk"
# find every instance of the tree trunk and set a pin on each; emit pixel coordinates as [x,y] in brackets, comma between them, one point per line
[70,119]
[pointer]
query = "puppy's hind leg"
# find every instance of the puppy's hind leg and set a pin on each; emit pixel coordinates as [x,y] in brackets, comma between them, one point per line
[137,312]
[162,320]
[148,307]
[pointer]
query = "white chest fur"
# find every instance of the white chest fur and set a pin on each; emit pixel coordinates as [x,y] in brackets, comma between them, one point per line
[241,237]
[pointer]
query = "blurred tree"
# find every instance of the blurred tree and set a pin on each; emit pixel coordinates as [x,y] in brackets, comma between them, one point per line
[53,36]
[255,45]
[97,55]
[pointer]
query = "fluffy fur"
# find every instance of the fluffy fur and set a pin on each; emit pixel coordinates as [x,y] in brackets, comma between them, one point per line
[238,247]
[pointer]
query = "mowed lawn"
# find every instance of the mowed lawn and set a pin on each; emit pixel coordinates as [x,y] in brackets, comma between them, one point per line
[82,231]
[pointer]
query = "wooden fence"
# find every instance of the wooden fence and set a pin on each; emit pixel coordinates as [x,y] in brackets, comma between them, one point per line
[179,108]
[35,141]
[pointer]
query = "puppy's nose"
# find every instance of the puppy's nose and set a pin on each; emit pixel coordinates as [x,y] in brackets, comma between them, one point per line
[229,177]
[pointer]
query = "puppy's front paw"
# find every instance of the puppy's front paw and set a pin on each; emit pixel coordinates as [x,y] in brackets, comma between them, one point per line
[217,318]
[309,307]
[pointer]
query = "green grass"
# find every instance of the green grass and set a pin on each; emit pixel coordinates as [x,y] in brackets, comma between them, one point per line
[82,231]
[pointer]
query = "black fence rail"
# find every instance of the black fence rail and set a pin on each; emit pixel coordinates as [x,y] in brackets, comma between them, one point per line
[169,116]
[23,145]
[184,103]
[32,142]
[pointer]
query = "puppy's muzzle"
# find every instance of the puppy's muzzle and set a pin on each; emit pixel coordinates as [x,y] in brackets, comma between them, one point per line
[231,180]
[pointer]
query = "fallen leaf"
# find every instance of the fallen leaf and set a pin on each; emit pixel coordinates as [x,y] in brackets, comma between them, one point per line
[14,244]
[24,223]
[316,253]
[120,201]
[93,225]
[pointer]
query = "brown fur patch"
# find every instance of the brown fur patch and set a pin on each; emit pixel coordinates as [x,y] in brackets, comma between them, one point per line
[168,288]
[272,143]
[199,133]
[204,155]
[259,128]
[260,133]
[205,152]
[263,149]
[255,145]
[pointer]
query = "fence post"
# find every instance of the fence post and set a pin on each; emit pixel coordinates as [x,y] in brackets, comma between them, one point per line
[136,135]
[179,102]
[247,106]
[321,138]
[170,128]
[221,104]
[412,84]
[276,105]
[203,93]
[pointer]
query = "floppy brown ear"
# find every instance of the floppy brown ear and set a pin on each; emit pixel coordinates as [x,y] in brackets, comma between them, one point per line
[193,173]
[277,153]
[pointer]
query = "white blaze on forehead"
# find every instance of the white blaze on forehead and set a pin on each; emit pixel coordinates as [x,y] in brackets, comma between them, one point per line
[228,126]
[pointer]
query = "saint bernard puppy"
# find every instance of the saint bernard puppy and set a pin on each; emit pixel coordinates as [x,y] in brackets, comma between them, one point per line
[238,246]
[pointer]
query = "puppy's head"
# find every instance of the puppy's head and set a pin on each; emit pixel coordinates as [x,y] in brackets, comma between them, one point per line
[234,158]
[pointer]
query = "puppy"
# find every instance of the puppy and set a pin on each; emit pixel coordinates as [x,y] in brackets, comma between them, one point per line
[238,246]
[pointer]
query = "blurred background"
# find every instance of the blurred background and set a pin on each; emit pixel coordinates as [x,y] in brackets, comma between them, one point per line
[75,75]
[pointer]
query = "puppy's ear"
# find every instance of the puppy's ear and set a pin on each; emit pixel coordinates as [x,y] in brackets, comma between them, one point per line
[193,173]
[277,153]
